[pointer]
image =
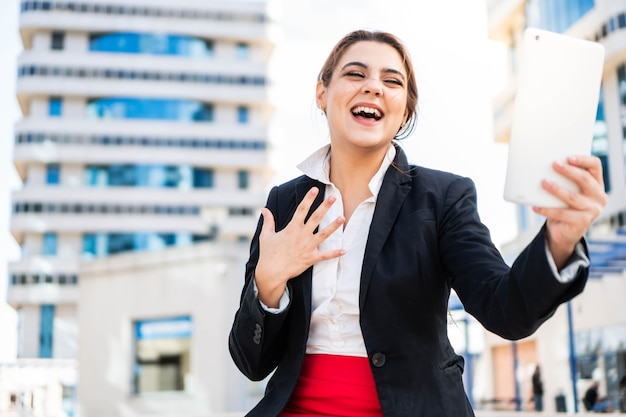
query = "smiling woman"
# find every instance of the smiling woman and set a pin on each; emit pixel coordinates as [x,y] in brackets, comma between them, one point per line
[352,264]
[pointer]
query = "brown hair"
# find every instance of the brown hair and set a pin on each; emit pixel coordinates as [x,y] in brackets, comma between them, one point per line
[383,37]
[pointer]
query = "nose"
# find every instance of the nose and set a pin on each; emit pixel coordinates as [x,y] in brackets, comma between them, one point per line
[372,86]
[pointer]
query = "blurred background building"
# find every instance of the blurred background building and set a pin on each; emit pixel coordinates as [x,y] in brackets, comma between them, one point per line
[586,339]
[145,127]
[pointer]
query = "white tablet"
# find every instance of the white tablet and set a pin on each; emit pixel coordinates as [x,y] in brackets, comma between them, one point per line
[554,115]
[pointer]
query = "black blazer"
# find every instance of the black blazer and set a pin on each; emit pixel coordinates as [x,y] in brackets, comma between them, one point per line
[425,238]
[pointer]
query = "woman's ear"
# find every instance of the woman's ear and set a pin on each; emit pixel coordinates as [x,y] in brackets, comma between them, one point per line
[320,95]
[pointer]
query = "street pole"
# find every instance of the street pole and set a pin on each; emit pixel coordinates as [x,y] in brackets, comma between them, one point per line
[518,400]
[572,354]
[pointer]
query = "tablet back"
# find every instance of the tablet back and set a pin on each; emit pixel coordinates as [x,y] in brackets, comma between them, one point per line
[554,115]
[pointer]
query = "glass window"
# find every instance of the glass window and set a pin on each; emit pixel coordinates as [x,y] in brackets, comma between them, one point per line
[55,106]
[46,325]
[202,178]
[242,51]
[151,44]
[621,80]
[96,175]
[49,246]
[556,15]
[57,41]
[162,354]
[154,109]
[89,245]
[242,114]
[53,174]
[600,144]
[243,180]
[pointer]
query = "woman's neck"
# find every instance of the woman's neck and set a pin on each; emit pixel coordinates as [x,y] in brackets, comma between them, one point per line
[349,169]
[352,172]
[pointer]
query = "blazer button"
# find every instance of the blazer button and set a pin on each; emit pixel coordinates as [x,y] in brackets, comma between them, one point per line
[378,359]
[257,334]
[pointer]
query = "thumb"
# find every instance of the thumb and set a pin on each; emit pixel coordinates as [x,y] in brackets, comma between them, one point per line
[268,221]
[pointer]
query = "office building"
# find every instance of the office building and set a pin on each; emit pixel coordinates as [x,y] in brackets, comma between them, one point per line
[144,128]
[585,340]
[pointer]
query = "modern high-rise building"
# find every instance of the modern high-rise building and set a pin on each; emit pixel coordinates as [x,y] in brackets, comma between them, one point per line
[586,339]
[145,126]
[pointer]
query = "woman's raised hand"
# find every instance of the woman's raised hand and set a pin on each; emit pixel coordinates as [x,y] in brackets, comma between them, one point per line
[289,252]
[566,226]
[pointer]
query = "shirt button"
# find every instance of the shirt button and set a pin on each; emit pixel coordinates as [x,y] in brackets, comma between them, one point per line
[378,359]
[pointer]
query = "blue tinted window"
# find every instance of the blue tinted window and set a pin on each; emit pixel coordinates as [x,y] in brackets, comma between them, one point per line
[242,114]
[243,51]
[53,172]
[155,109]
[55,106]
[556,15]
[621,83]
[104,244]
[95,175]
[57,41]
[49,246]
[46,326]
[138,176]
[151,44]
[243,178]
[89,245]
[202,178]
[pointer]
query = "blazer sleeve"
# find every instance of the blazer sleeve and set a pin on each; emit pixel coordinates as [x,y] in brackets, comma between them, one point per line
[257,337]
[509,301]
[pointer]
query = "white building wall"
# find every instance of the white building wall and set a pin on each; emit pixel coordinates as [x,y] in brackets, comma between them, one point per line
[29,323]
[202,281]
[65,332]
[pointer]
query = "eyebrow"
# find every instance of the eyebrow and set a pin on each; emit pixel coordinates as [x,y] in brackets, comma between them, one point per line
[364,66]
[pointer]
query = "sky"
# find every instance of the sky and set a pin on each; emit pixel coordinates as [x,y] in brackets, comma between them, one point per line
[458,71]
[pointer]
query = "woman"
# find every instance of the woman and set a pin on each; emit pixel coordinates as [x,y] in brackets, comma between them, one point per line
[346,289]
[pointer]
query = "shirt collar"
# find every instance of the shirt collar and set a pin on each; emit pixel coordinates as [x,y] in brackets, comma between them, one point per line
[317,167]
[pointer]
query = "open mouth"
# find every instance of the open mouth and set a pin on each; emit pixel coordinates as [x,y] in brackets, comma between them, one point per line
[367,112]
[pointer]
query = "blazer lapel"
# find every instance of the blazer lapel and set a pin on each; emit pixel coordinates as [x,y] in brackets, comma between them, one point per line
[395,187]
[305,281]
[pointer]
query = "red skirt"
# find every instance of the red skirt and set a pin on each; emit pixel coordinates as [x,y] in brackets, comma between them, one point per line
[334,385]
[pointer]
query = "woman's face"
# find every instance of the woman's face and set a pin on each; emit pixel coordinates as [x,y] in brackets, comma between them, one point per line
[365,100]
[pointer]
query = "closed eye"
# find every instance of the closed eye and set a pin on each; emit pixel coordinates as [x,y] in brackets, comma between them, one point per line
[394,81]
[355,74]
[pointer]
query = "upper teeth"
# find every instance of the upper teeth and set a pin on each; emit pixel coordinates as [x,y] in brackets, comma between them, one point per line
[364,109]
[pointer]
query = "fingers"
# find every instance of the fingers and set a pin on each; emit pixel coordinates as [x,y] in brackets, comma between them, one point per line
[591,164]
[305,205]
[330,229]
[586,172]
[316,217]
[268,221]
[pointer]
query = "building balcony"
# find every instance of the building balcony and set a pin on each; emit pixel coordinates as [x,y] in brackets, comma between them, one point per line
[43,293]
[47,152]
[247,93]
[156,130]
[129,222]
[134,196]
[241,22]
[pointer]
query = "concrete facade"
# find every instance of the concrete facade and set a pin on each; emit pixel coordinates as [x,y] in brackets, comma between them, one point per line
[205,173]
[592,334]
